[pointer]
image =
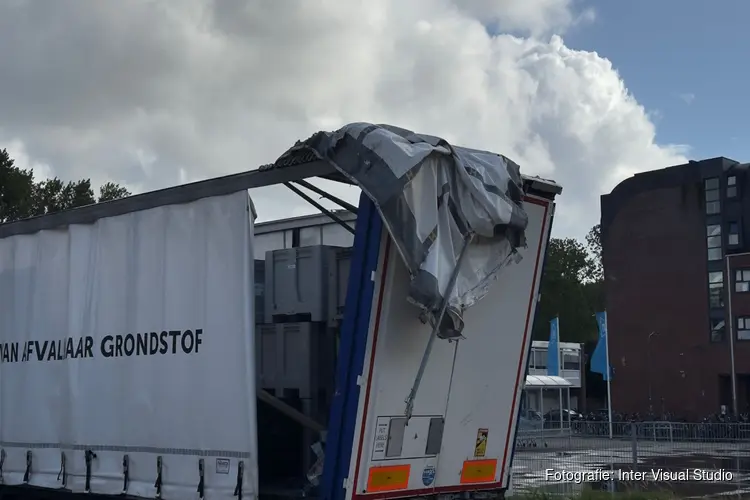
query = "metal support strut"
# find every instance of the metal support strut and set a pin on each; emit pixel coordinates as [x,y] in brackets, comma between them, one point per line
[346,206]
[89,456]
[435,328]
[238,487]
[27,474]
[157,483]
[201,484]
[320,207]
[62,476]
[125,473]
[291,412]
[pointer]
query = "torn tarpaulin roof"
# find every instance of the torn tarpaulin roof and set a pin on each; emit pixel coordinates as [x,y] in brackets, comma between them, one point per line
[432,196]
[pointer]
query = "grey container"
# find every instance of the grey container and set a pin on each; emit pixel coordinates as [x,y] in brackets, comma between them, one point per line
[338,285]
[296,362]
[298,358]
[297,281]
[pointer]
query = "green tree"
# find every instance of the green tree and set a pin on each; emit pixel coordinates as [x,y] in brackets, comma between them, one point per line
[594,286]
[571,289]
[567,259]
[52,195]
[594,245]
[16,190]
[111,191]
[22,197]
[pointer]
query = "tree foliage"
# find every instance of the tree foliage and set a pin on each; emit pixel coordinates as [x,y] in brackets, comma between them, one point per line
[572,288]
[110,191]
[594,244]
[21,196]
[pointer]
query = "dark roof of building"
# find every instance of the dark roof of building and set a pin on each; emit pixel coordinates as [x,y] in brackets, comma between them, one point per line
[693,171]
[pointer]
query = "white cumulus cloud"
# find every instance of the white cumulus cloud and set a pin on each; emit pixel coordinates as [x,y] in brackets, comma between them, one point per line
[150,94]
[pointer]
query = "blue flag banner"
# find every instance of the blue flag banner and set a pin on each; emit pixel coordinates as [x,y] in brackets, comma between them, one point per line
[599,361]
[553,348]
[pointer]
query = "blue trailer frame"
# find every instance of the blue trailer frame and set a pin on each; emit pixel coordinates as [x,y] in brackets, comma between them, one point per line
[352,347]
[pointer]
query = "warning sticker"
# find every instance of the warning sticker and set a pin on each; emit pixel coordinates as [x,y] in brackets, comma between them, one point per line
[479,471]
[480,448]
[388,478]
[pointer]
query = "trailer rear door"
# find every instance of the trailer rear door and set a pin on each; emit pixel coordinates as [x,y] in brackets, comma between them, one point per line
[461,434]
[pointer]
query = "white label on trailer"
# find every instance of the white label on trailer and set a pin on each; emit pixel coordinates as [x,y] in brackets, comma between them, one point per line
[381,438]
[223,465]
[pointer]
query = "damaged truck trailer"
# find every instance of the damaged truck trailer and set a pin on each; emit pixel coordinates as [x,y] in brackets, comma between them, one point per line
[130,351]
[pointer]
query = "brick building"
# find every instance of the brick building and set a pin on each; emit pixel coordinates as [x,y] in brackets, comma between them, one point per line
[668,238]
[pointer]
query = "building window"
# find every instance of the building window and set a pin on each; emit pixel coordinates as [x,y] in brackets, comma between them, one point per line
[743,328]
[717,330]
[716,289]
[713,241]
[712,201]
[742,280]
[731,186]
[540,359]
[713,205]
[733,234]
[571,361]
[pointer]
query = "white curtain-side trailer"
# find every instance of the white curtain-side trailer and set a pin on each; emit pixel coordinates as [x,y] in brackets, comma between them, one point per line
[127,350]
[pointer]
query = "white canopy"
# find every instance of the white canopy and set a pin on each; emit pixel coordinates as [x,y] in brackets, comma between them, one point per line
[546,381]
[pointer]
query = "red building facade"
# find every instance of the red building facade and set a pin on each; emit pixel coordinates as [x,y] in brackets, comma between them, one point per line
[667,239]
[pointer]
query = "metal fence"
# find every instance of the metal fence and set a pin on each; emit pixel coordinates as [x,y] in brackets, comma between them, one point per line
[685,460]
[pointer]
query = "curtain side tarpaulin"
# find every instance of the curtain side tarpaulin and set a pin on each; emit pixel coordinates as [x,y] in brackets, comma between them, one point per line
[431,196]
[129,337]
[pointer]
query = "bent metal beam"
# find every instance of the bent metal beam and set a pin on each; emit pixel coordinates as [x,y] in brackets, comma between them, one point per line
[264,176]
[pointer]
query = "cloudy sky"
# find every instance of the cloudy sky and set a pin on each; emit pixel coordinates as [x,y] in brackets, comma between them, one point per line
[151,94]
